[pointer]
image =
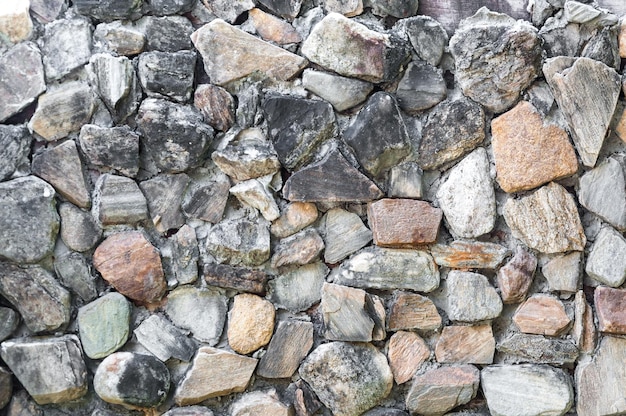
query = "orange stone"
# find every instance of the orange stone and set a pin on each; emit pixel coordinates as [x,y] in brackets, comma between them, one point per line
[403,222]
[273,29]
[611,309]
[406,351]
[542,315]
[132,266]
[529,153]
[620,129]
[466,345]
[621,39]
[412,311]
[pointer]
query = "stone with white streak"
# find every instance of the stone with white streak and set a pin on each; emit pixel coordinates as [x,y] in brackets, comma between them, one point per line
[118,200]
[240,242]
[164,340]
[347,313]
[345,233]
[607,262]
[468,254]
[256,193]
[299,289]
[603,192]
[66,45]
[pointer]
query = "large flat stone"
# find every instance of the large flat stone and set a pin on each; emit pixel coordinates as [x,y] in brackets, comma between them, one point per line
[537,349]
[412,311]
[290,343]
[164,340]
[113,149]
[298,289]
[543,315]
[163,195]
[467,254]
[346,313]
[466,345]
[342,92]
[406,352]
[344,234]
[66,45]
[240,242]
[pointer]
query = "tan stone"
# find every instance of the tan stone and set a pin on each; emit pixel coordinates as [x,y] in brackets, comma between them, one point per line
[295,217]
[528,152]
[132,265]
[403,222]
[299,249]
[515,277]
[542,315]
[611,309]
[406,352]
[621,39]
[466,345]
[250,323]
[462,254]
[412,311]
[584,331]
[15,21]
[620,128]
[273,29]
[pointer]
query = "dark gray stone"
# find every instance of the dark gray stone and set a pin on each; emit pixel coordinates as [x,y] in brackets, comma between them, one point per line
[79,230]
[167,74]
[421,87]
[9,320]
[75,274]
[427,36]
[167,34]
[15,144]
[113,149]
[166,7]
[237,278]
[524,348]
[118,200]
[108,10]
[206,195]
[563,38]
[298,289]
[6,387]
[395,8]
[164,340]
[287,9]
[240,242]
[66,45]
[603,47]
[163,194]
[185,254]
[290,343]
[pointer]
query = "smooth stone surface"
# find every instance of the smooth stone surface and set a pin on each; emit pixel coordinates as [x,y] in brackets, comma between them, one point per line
[163,195]
[412,311]
[466,345]
[299,289]
[470,297]
[256,194]
[344,234]
[467,254]
[239,278]
[611,315]
[605,262]
[405,181]
[543,315]
[118,200]
[114,149]
[516,276]
[169,74]
[421,87]
[295,217]
[299,249]
[346,313]
[104,325]
[66,45]
[342,92]
[15,143]
[79,230]
[250,323]
[240,242]
[563,273]
[164,340]
[403,222]
[217,106]
[406,352]
[603,192]
[290,343]
[524,348]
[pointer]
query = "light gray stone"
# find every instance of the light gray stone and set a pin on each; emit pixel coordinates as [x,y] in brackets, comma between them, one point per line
[75,274]
[79,230]
[256,194]
[405,181]
[298,289]
[344,234]
[606,262]
[164,340]
[118,200]
[240,242]
[66,45]
[348,8]
[470,297]
[104,325]
[163,194]
[603,192]
[347,313]
[15,143]
[342,92]
[577,12]
[421,87]
[563,272]
[524,348]
[189,411]
[118,38]
[9,320]
[427,36]
[185,255]
[229,10]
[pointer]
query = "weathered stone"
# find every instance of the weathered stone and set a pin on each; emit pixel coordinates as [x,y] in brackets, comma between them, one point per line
[273,29]
[184,256]
[260,403]
[132,265]
[118,38]
[206,196]
[163,194]
[348,378]
[108,10]
[75,274]
[165,7]
[299,289]
[287,9]
[526,390]
[462,254]
[466,345]
[66,45]
[403,222]
[348,8]
[132,379]
[229,10]
[495,76]
[584,329]
[609,307]
[412,311]
[46,11]
[388,269]
[79,231]
[104,325]
[295,217]
[240,242]
[442,389]
[395,8]
[201,311]
[169,74]
[166,34]
[421,87]
[174,135]
[6,387]
[214,373]
[605,262]
[217,106]
[291,342]
[577,12]
[344,234]
[405,181]
[250,323]
[63,111]
[622,38]
[21,78]
[111,149]
[15,21]
[333,179]
[546,220]
[515,277]
[454,128]
[9,320]
[237,278]
[600,382]
[15,142]
[603,47]
[343,93]
[22,403]
[467,197]
[299,249]
[347,313]
[305,401]
[385,411]
[351,49]
[189,411]
[245,55]
[538,349]
[603,192]
[470,297]
[542,315]
[51,369]
[256,194]
[563,272]
[406,352]
[573,88]
[118,200]
[427,36]
[164,340]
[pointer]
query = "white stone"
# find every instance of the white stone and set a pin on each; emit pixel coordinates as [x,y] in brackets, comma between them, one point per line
[256,194]
[607,258]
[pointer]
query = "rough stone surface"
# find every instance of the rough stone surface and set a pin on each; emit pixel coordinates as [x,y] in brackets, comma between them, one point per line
[217,106]
[110,9]
[348,8]
[15,21]
[412,311]
[252,156]
[118,200]
[273,29]
[66,45]
[609,308]
[240,242]
[542,315]
[563,272]
[287,9]
[524,348]
[184,256]
[584,331]
[603,192]
[405,181]
[295,217]
[515,277]
[466,345]
[344,234]
[421,88]
[260,403]
[406,352]
[206,196]
[299,289]
[428,38]
[256,194]
[118,38]
[163,194]
[166,34]
[605,262]
[104,325]
[250,323]
[113,149]
[9,322]
[342,92]
[347,313]
[79,230]
[465,254]
[169,74]
[238,278]
[290,344]
[164,340]
[471,298]
[15,142]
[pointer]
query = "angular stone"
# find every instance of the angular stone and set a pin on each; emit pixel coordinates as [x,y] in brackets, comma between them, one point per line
[246,55]
[250,323]
[165,7]
[577,12]
[546,220]
[132,265]
[132,380]
[348,378]
[229,10]
[609,307]
[295,217]
[287,9]
[163,193]
[299,289]
[79,231]
[260,403]
[240,242]
[333,179]
[563,272]
[42,302]
[462,254]
[385,411]
[174,135]
[104,325]
[421,88]
[189,411]
[166,34]
[515,277]
[21,402]
[217,106]
[348,8]
[605,262]
[168,74]
[15,143]
[466,345]
[15,21]
[406,352]
[351,49]
[9,321]
[471,298]
[454,128]
[51,369]
[603,192]
[237,278]
[343,93]
[291,342]
[256,194]
[526,390]
[66,45]
[273,29]
[347,313]
[584,330]
[428,38]
[405,181]
[75,274]
[108,10]
[542,315]
[388,269]
[21,78]
[118,38]
[6,388]
[412,311]
[214,373]
[467,197]
[111,149]
[206,196]
[305,401]
[201,311]
[573,89]
[185,254]
[495,76]
[299,249]
[442,389]
[538,349]
[63,111]
[344,234]
[396,8]
[118,200]
[164,340]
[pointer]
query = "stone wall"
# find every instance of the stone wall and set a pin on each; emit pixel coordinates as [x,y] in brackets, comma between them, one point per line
[306,207]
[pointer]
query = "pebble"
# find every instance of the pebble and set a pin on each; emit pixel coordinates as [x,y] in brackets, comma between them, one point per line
[543,315]
[167,74]
[563,273]
[79,230]
[240,242]
[470,297]
[217,106]
[290,344]
[299,289]
[160,192]
[239,278]
[256,194]
[605,260]
[406,353]
[466,345]
[250,323]
[611,316]
[342,92]
[114,149]
[15,143]
[22,75]
[15,21]
[466,254]
[118,200]
[66,45]
[516,276]
[409,310]
[537,349]
[344,234]
[273,29]
[421,88]
[601,192]
[164,340]
[104,325]
[260,403]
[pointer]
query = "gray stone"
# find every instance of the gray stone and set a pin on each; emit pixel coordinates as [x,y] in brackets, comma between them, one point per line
[603,192]
[201,311]
[467,196]
[165,7]
[174,135]
[240,279]
[526,389]
[30,222]
[66,45]
[299,289]
[563,272]
[470,297]
[287,9]
[606,262]
[118,38]
[79,230]
[46,11]
[9,320]
[206,196]
[344,234]
[256,194]
[495,76]
[21,78]
[113,149]
[185,254]
[546,220]
[348,378]
[348,313]
[6,387]
[118,200]
[577,12]
[260,403]
[108,10]
[21,403]
[378,135]
[524,348]
[252,156]
[189,411]
[166,34]
[348,8]
[217,106]
[164,340]
[163,193]
[563,38]
[240,242]
[296,216]
[132,380]
[388,269]
[421,87]
[15,22]
[427,36]
[395,8]
[454,128]
[229,10]
[574,86]
[104,325]
[290,343]
[603,47]
[467,254]
[75,274]
[51,369]
[385,411]
[169,74]
[343,93]
[298,249]
[15,144]
[405,181]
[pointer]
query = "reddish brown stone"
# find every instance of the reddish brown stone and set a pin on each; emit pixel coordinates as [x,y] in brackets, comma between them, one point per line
[412,311]
[611,309]
[273,29]
[469,255]
[466,345]
[216,104]
[132,265]
[542,315]
[403,222]
[238,278]
[406,352]
[515,277]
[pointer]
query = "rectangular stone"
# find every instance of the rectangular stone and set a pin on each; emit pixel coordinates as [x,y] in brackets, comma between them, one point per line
[462,254]
[610,309]
[238,278]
